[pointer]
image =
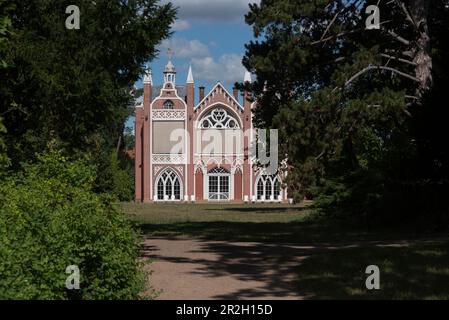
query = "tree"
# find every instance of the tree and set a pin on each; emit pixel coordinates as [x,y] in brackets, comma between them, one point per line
[73,85]
[348,102]
[5,25]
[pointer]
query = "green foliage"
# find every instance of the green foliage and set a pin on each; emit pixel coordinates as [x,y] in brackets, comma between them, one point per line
[115,180]
[129,139]
[115,174]
[49,219]
[5,26]
[356,110]
[4,160]
[73,85]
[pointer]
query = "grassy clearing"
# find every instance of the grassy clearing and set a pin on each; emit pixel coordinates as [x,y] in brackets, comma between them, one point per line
[415,271]
[419,271]
[277,223]
[179,213]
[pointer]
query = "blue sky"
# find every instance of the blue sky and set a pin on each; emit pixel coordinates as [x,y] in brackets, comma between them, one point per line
[209,35]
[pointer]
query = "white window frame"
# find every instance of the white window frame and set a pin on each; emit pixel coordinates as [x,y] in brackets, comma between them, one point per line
[220,173]
[165,181]
[219,118]
[265,178]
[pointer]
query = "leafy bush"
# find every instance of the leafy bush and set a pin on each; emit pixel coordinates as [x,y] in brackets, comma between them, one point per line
[115,175]
[50,219]
[4,161]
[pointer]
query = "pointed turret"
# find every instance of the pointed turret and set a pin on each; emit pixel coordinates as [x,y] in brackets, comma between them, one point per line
[170,71]
[147,78]
[190,76]
[247,77]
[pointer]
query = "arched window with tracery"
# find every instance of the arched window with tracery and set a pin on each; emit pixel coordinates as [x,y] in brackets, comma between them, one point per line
[168,104]
[168,186]
[219,118]
[268,187]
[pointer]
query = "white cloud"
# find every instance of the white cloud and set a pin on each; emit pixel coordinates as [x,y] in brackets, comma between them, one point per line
[228,69]
[185,49]
[212,10]
[180,25]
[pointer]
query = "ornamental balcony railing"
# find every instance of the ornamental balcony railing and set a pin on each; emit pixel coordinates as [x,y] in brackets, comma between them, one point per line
[168,159]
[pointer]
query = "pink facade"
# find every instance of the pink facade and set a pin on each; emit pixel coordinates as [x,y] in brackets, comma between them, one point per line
[194,152]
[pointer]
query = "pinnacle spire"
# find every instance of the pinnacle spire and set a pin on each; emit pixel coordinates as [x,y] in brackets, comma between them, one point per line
[190,75]
[147,78]
[169,66]
[247,77]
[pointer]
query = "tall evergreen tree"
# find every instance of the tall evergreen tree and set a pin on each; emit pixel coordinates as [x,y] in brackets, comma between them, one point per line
[73,85]
[5,26]
[355,106]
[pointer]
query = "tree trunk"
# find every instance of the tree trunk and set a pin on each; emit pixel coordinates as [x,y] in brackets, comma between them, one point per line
[119,142]
[419,11]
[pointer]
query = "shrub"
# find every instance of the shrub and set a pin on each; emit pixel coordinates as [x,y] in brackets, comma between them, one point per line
[115,175]
[49,219]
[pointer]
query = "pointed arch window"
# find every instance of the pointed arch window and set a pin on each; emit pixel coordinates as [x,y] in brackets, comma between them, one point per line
[168,104]
[268,187]
[219,118]
[168,186]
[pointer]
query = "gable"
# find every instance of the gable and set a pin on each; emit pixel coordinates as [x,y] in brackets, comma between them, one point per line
[219,94]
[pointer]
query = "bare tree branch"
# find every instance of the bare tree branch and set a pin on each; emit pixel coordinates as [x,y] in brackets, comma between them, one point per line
[408,53]
[358,74]
[398,59]
[338,35]
[371,67]
[407,13]
[332,22]
[398,37]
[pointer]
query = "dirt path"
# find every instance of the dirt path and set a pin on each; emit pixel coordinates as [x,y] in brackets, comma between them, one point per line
[200,269]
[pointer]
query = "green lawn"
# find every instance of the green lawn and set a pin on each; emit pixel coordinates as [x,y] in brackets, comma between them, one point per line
[420,271]
[170,213]
[278,223]
[416,271]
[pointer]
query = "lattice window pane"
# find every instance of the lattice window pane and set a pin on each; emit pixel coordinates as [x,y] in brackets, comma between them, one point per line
[219,170]
[260,186]
[177,188]
[224,184]
[213,184]
[268,189]
[169,184]
[277,188]
[160,190]
[168,104]
[168,189]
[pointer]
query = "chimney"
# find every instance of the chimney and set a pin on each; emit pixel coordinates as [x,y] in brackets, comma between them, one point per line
[235,93]
[201,93]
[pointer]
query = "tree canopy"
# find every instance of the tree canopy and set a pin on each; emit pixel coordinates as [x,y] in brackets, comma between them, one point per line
[357,109]
[64,97]
[73,85]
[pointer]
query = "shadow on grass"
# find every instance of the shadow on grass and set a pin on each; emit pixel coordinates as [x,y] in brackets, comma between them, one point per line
[408,271]
[310,258]
[260,209]
[415,272]
[276,232]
